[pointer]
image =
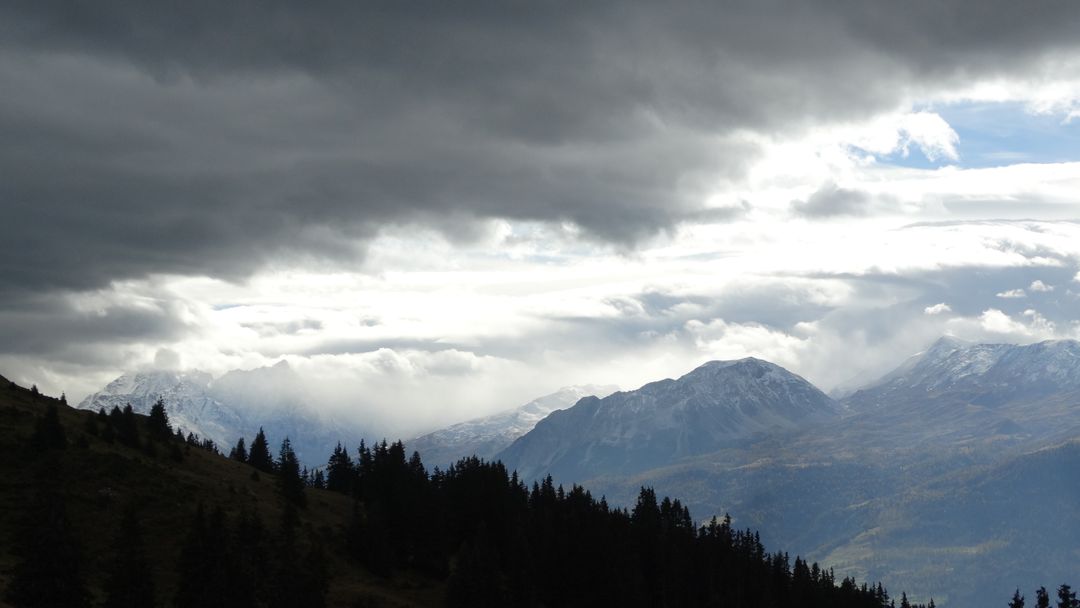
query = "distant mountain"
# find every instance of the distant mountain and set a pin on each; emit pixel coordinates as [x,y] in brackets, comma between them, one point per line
[233,406]
[485,437]
[711,407]
[960,389]
[991,373]
[187,401]
[945,473]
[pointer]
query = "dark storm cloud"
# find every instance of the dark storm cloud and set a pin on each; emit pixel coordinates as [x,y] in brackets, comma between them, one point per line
[208,138]
[63,331]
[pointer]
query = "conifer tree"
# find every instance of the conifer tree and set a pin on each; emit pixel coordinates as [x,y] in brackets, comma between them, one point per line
[129,583]
[158,421]
[1017,600]
[1042,598]
[290,482]
[259,453]
[239,453]
[1066,597]
[340,472]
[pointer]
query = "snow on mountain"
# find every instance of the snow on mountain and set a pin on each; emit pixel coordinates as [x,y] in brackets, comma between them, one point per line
[662,422]
[485,437]
[235,405]
[986,373]
[187,401]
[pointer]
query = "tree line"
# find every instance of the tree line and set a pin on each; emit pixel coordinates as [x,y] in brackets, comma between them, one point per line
[1066,598]
[491,538]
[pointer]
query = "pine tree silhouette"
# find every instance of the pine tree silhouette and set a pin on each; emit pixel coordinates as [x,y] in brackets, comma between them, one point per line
[158,422]
[259,453]
[1042,598]
[1066,597]
[340,471]
[290,482]
[239,452]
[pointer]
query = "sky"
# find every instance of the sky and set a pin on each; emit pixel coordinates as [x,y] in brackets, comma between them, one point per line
[435,211]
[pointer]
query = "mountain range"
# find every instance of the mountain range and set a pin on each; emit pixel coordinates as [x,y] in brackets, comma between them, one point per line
[953,468]
[956,467]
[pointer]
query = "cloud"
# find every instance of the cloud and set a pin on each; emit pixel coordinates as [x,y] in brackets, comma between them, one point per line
[1012,294]
[267,134]
[166,358]
[1038,285]
[997,322]
[832,201]
[718,339]
[933,136]
[937,309]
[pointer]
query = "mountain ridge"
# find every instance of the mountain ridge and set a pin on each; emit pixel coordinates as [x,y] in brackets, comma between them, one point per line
[714,404]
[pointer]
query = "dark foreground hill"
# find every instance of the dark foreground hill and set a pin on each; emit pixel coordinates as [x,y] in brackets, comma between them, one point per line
[96,481]
[112,509]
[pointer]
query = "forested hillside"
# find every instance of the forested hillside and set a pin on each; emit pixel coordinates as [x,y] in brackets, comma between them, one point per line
[117,509]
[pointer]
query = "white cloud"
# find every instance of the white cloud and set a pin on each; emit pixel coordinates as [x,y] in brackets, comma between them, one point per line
[937,309]
[996,322]
[1039,325]
[1012,294]
[718,339]
[1038,285]
[929,131]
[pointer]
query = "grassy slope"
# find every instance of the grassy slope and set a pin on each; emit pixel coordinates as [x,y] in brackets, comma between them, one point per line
[101,479]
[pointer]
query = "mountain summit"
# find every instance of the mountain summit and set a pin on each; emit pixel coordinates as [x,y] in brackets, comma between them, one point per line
[712,406]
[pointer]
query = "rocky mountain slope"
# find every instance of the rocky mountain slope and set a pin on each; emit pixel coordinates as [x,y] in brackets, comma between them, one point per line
[713,406]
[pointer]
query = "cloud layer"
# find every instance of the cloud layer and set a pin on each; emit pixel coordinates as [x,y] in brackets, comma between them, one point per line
[484,203]
[203,139]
